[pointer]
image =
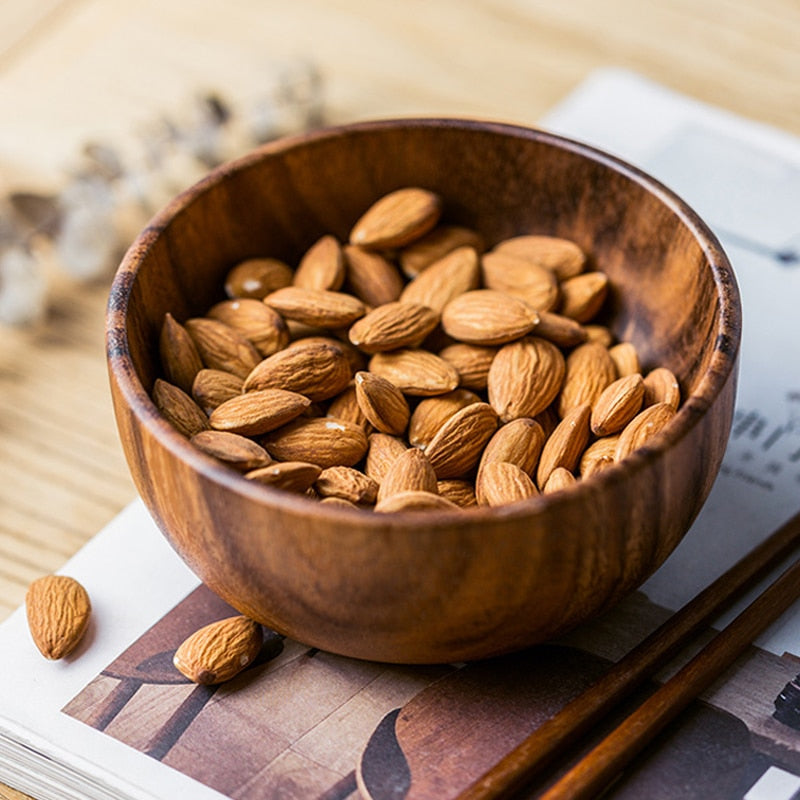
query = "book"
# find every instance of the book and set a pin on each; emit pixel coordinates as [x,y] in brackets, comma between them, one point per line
[116,720]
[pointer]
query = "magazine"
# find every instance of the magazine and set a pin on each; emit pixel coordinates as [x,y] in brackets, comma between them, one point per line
[116,720]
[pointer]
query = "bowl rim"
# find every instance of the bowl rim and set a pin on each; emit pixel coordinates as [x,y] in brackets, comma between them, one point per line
[719,370]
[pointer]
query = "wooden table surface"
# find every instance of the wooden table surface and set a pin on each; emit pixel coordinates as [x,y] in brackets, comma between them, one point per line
[75,70]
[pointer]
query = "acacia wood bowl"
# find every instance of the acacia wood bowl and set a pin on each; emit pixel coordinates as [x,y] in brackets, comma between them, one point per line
[433,586]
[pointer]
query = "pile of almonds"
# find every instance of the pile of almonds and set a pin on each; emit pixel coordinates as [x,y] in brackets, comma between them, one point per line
[412,368]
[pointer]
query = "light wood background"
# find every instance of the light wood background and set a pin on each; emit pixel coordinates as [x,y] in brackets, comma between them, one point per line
[71,70]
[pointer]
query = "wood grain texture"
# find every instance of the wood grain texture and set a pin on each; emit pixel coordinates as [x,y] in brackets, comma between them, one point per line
[326,576]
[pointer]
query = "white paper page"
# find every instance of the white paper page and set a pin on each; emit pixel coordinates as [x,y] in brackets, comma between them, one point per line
[744,180]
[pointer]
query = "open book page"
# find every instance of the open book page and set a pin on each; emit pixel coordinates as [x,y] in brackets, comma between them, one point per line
[116,720]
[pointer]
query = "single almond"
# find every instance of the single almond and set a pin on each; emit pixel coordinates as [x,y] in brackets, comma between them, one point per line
[397,219]
[625,359]
[560,330]
[525,377]
[643,427]
[316,307]
[212,387]
[432,412]
[325,441]
[661,386]
[219,651]
[488,317]
[257,322]
[436,244]
[411,471]
[318,370]
[257,412]
[560,479]
[501,483]
[562,256]
[371,277]
[257,277]
[179,356]
[290,476]
[221,347]
[322,266]
[381,454]
[179,409]
[534,284]
[458,491]
[598,456]
[564,446]
[415,372]
[589,370]
[583,296]
[236,451]
[472,362]
[382,403]
[415,501]
[445,279]
[599,334]
[338,501]
[345,406]
[58,611]
[617,405]
[393,325]
[549,420]
[355,357]
[348,484]
[458,444]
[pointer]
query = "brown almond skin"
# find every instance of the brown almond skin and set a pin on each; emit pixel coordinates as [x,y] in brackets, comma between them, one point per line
[382,403]
[415,372]
[411,471]
[560,479]
[397,219]
[257,322]
[522,278]
[345,406]
[219,651]
[526,376]
[458,444]
[415,501]
[583,296]
[598,456]
[460,492]
[382,451]
[322,266]
[393,325]
[236,451]
[212,387]
[472,362]
[625,359]
[179,409]
[488,317]
[257,412]
[642,428]
[617,405]
[325,441]
[589,370]
[179,355]
[221,347]
[501,483]
[257,277]
[371,277]
[436,244]
[562,256]
[560,330]
[565,445]
[58,611]
[316,307]
[432,412]
[348,484]
[661,386]
[444,280]
[291,476]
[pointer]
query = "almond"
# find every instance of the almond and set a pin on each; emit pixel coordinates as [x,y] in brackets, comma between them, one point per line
[525,377]
[560,330]
[212,387]
[257,412]
[326,441]
[617,405]
[598,455]
[564,447]
[431,413]
[338,501]
[322,266]
[625,359]
[392,326]
[643,427]
[559,480]
[354,356]
[562,256]
[291,476]
[316,307]
[221,347]
[534,284]
[179,356]
[257,322]
[382,452]
[318,370]
[600,334]
[458,444]
[472,362]
[236,451]
[58,611]
[501,483]
[371,277]
[348,484]
[345,406]
[219,651]
[415,501]
[444,280]
[436,244]
[458,491]
[179,409]
[661,386]
[257,277]
[382,403]
[397,219]
[583,296]
[487,317]
[589,369]
[411,471]
[415,372]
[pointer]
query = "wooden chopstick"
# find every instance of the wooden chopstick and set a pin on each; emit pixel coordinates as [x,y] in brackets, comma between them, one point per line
[550,739]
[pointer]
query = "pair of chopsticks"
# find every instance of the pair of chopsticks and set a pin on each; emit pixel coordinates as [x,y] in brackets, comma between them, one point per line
[597,768]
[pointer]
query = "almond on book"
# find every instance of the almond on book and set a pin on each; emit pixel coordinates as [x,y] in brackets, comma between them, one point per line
[58,611]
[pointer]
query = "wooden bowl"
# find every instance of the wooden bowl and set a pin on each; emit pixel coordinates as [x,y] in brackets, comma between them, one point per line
[437,586]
